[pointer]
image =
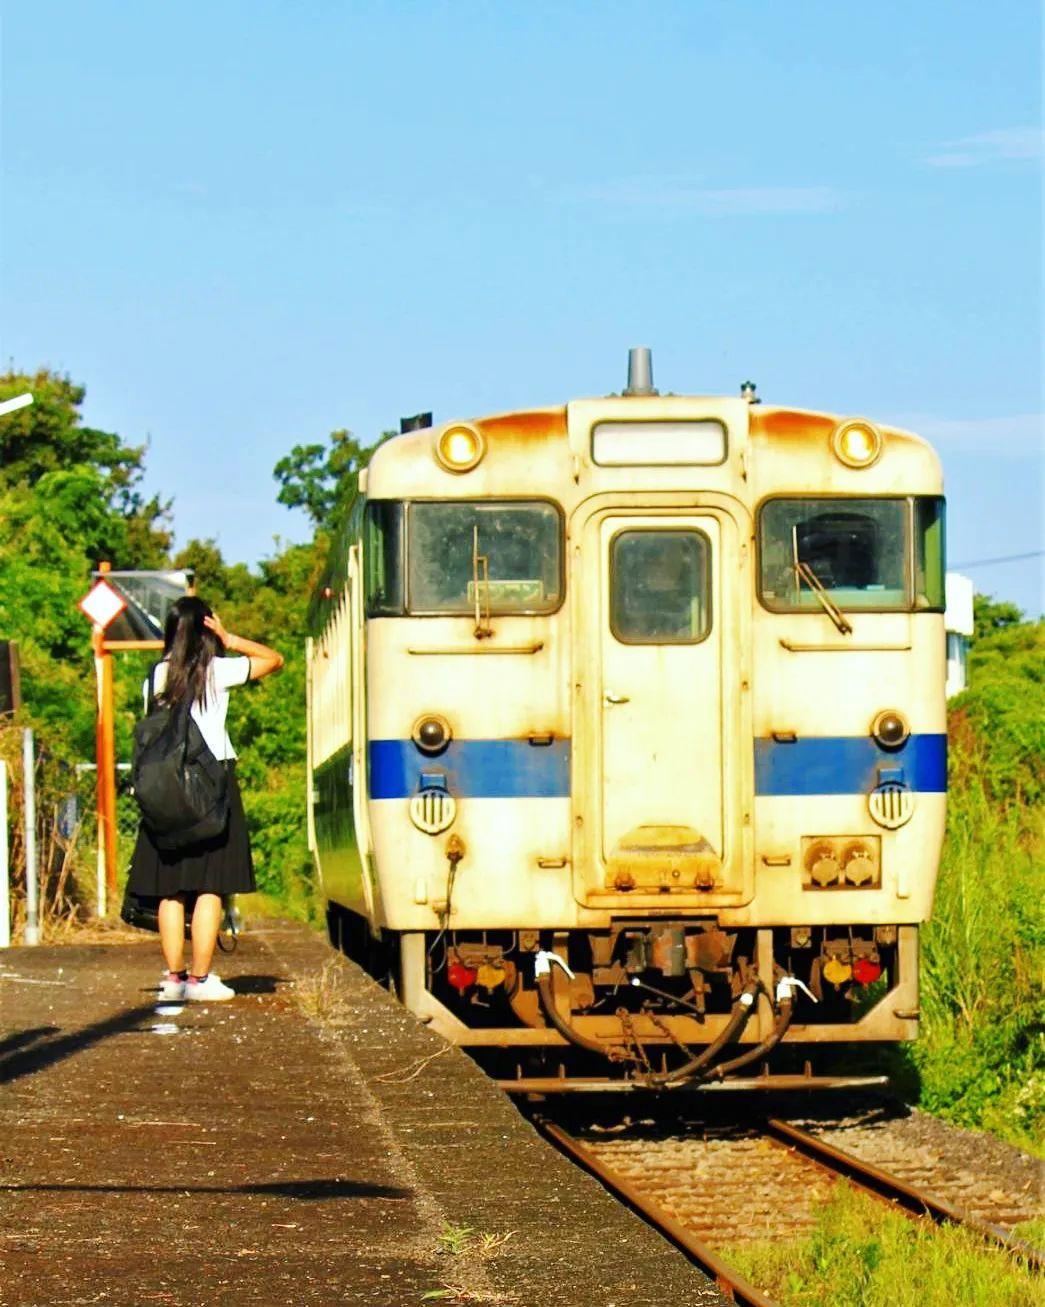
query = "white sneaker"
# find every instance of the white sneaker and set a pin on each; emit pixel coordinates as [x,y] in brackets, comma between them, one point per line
[210,990]
[171,991]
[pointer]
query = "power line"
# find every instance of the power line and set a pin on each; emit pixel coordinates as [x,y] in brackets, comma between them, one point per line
[1008,558]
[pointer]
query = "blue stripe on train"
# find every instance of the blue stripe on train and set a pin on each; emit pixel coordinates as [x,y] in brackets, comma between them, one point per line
[477,769]
[847,764]
[516,769]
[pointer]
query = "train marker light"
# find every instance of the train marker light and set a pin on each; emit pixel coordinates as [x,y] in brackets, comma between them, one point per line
[460,976]
[491,975]
[890,728]
[857,444]
[460,448]
[431,733]
[866,972]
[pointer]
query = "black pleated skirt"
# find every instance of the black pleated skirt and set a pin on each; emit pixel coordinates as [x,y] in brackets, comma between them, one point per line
[222,865]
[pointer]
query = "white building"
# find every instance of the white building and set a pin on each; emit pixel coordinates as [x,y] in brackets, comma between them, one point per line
[959,623]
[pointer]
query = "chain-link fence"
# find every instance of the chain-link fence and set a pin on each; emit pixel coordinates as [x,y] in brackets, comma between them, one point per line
[127,818]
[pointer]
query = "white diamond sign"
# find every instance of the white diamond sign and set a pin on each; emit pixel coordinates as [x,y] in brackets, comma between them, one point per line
[102,604]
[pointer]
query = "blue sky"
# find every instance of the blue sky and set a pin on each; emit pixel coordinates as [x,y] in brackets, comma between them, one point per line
[244,224]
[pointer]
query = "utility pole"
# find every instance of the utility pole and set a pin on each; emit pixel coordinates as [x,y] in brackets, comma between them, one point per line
[32,872]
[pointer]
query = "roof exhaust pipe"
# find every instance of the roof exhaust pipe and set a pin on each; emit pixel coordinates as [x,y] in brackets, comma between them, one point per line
[640,371]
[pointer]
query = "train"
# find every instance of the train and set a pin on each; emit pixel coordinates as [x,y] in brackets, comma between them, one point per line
[627,735]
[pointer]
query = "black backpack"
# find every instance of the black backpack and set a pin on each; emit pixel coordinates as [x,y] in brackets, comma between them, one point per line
[181,788]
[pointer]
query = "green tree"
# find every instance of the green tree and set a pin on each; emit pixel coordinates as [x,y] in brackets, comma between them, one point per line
[218,582]
[989,615]
[323,479]
[42,575]
[49,437]
[70,497]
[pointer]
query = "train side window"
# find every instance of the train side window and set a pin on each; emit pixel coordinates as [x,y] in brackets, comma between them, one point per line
[383,557]
[856,548]
[510,550]
[660,586]
[930,562]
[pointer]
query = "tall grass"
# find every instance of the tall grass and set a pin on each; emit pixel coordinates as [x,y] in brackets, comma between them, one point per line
[860,1254]
[981,1056]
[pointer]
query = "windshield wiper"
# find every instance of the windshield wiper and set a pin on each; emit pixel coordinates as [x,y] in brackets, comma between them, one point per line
[803,572]
[480,588]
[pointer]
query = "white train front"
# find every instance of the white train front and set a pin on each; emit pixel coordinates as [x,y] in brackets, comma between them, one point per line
[627,732]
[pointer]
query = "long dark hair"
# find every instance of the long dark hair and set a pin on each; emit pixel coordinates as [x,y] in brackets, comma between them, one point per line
[188,647]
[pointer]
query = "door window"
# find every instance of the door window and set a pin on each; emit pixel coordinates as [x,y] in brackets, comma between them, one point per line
[660,587]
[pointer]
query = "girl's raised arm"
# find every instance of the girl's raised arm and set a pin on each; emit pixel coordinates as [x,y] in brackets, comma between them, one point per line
[263,660]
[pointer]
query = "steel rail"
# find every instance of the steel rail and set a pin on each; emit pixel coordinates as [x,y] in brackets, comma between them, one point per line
[731,1282]
[891,1187]
[760,1084]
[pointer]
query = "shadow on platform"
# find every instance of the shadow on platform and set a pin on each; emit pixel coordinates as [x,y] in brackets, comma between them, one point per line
[22,1037]
[309,1190]
[28,1061]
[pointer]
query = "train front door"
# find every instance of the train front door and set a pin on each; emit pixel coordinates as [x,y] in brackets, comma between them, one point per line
[662,705]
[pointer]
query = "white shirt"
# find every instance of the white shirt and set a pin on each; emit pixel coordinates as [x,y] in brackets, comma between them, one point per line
[222,674]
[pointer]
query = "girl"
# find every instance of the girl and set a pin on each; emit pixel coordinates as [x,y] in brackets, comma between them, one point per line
[192,668]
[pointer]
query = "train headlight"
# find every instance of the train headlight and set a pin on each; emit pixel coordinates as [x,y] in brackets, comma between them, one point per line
[890,729]
[431,733]
[459,448]
[857,444]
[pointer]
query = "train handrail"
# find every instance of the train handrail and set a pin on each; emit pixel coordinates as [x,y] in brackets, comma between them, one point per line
[536,647]
[792,646]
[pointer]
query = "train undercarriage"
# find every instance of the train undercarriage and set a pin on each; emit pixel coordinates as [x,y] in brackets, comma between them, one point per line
[655,1005]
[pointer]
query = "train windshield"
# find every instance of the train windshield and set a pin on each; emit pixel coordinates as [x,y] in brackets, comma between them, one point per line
[509,552]
[875,554]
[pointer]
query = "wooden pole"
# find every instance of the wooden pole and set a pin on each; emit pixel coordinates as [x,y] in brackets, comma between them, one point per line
[97,640]
[105,740]
[107,761]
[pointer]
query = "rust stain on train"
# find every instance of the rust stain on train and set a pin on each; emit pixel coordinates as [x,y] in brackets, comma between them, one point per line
[801,427]
[792,424]
[539,424]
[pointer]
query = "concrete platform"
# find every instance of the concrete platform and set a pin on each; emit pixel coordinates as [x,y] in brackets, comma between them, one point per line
[307,1143]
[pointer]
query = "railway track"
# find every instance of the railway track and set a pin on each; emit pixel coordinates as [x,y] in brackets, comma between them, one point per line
[755,1181]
